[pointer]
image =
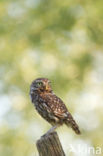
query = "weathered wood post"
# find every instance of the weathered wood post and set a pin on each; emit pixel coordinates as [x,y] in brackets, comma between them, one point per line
[49,145]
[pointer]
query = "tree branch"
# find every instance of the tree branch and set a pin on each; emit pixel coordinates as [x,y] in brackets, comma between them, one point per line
[49,145]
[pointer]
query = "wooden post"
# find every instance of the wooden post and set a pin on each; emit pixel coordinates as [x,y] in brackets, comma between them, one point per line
[49,145]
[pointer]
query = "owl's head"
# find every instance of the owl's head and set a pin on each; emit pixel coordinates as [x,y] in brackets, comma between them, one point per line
[41,85]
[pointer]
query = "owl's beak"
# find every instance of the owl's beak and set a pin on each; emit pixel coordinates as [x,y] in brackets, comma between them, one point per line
[47,88]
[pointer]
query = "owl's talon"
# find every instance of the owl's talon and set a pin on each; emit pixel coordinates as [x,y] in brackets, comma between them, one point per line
[51,130]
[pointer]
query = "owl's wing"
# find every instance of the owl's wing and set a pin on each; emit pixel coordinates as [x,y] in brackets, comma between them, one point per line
[58,110]
[56,106]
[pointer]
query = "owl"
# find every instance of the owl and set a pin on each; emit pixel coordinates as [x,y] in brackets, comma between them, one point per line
[50,106]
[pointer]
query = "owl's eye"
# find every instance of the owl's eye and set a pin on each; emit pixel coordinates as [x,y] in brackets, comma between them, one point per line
[39,84]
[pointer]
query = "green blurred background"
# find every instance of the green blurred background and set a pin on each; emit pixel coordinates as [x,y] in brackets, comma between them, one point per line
[60,40]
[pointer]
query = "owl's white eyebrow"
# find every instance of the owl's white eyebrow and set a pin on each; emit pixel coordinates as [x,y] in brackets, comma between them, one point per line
[38,80]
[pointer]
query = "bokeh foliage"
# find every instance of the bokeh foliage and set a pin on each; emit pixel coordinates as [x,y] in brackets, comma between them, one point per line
[61,40]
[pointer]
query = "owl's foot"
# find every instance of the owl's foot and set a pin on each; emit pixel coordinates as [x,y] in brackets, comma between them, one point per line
[51,130]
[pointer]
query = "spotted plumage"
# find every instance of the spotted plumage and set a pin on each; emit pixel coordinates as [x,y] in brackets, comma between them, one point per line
[49,106]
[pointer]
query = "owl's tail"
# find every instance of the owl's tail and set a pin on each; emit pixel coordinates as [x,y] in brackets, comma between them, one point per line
[70,122]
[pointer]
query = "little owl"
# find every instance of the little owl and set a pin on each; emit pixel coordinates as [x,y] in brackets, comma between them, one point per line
[49,106]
